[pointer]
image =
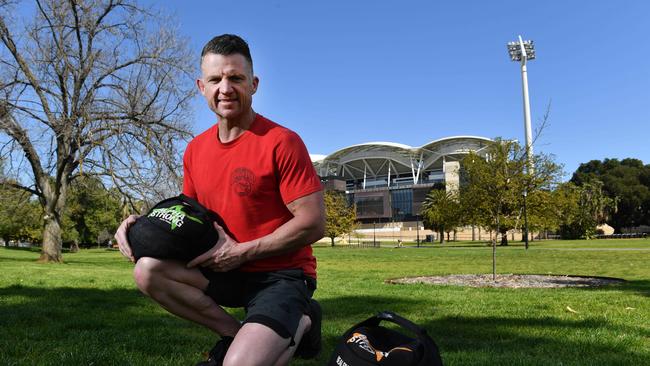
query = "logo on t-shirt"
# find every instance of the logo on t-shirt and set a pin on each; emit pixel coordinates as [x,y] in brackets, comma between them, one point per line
[243,181]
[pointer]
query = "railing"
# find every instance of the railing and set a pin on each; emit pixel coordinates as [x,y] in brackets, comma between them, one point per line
[622,236]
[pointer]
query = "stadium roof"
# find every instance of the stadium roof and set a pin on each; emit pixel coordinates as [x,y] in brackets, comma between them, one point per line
[376,159]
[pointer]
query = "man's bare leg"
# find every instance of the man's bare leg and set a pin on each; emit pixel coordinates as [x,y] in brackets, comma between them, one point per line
[181,292]
[303,327]
[269,348]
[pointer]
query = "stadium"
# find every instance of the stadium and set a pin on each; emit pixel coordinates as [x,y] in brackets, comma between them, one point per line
[388,181]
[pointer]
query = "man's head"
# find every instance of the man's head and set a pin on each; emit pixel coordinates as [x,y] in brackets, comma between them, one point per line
[228,44]
[227,81]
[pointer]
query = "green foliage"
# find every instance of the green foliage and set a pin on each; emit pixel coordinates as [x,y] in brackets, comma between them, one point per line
[91,211]
[627,181]
[582,208]
[339,215]
[20,215]
[494,188]
[442,211]
[495,185]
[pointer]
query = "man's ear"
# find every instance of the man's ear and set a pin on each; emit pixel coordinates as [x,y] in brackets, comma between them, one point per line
[201,86]
[256,82]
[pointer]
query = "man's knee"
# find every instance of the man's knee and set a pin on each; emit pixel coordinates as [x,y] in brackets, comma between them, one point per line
[256,344]
[145,273]
[249,357]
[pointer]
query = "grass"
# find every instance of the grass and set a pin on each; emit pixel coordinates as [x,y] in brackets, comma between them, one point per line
[88,312]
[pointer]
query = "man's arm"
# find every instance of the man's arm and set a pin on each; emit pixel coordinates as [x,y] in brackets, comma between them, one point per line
[306,226]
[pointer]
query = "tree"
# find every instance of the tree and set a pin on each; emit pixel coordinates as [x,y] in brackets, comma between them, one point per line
[494,187]
[340,217]
[92,211]
[587,207]
[442,212]
[627,181]
[91,87]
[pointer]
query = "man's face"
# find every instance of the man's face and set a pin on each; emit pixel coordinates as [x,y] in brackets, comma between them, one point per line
[228,84]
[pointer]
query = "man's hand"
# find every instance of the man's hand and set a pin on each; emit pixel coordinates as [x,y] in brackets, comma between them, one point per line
[226,255]
[121,238]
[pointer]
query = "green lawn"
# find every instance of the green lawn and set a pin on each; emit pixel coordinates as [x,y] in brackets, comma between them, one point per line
[88,312]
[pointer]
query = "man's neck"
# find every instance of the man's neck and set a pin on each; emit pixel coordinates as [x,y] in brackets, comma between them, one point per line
[230,130]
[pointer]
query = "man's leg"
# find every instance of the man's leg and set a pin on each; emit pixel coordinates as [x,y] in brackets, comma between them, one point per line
[303,328]
[181,292]
[258,345]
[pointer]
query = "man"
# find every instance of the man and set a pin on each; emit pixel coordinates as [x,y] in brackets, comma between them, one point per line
[257,176]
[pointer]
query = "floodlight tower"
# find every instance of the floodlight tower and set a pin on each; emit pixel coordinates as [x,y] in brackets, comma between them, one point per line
[523,51]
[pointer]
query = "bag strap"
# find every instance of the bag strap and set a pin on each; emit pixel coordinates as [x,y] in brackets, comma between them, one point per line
[402,322]
[374,321]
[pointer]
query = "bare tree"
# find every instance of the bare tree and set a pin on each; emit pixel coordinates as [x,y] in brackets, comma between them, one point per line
[91,87]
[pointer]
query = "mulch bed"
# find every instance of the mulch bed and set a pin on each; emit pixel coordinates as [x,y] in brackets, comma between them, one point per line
[511,281]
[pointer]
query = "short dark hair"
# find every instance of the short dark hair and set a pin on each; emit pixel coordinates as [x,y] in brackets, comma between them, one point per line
[228,44]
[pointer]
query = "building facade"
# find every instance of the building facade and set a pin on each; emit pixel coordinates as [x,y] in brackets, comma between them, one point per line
[388,181]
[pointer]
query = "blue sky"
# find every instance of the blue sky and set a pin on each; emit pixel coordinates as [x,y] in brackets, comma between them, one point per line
[346,72]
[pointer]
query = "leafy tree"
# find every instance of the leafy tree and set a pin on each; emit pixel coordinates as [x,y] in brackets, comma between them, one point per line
[442,212]
[339,215]
[627,181]
[494,187]
[95,87]
[584,208]
[92,211]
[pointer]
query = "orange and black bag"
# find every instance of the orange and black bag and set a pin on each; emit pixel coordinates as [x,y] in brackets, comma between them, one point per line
[369,344]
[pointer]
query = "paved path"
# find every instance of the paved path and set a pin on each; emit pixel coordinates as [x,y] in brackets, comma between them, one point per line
[592,249]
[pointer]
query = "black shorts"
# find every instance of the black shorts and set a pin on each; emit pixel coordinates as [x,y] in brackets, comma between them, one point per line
[275,299]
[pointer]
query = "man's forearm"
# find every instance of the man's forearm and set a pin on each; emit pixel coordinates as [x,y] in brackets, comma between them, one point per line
[291,236]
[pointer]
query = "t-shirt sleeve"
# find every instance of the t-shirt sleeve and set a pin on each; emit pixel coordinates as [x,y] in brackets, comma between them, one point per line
[188,184]
[296,173]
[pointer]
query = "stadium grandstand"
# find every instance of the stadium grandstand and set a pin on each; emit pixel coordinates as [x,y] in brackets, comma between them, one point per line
[389,181]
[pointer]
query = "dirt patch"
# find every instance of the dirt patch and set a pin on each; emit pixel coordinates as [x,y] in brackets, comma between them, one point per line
[511,281]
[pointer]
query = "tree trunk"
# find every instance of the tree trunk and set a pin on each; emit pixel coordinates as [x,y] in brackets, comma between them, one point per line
[332,239]
[494,259]
[53,205]
[504,239]
[52,242]
[441,234]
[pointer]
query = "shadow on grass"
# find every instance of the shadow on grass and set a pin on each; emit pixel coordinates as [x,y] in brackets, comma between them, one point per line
[77,326]
[639,287]
[539,341]
[81,326]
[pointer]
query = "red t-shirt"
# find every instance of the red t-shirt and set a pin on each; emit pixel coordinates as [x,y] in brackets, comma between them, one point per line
[249,181]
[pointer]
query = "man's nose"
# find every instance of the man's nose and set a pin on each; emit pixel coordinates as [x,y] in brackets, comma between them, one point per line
[225,87]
